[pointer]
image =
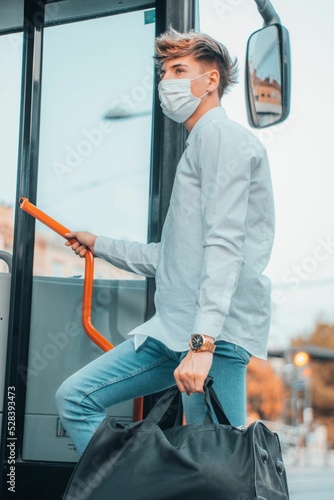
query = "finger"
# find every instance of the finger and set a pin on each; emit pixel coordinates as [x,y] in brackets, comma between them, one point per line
[71,235]
[80,249]
[76,246]
[183,386]
[200,387]
[197,383]
[193,384]
[179,382]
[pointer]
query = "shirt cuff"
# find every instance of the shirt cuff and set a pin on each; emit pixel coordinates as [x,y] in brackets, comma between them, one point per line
[103,247]
[208,324]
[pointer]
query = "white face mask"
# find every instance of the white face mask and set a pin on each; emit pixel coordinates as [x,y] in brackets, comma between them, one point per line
[177,100]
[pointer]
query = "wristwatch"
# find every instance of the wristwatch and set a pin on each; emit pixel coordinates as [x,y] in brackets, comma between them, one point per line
[198,343]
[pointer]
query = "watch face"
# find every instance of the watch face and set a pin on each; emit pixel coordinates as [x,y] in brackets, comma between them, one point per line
[196,341]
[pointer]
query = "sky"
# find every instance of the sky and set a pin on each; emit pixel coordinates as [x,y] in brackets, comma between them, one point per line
[79,87]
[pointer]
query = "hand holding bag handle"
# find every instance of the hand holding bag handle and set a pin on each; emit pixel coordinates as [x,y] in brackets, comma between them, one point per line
[171,402]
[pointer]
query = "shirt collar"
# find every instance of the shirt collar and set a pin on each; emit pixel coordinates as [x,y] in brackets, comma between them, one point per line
[213,114]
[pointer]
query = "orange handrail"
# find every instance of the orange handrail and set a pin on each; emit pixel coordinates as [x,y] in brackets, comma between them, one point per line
[92,333]
[104,344]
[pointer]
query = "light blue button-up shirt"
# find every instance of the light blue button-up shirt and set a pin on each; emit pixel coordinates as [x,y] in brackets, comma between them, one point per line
[215,244]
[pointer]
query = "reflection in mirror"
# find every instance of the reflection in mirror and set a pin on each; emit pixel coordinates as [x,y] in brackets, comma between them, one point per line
[265,79]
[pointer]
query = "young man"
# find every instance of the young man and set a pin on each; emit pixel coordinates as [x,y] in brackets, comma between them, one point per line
[212,301]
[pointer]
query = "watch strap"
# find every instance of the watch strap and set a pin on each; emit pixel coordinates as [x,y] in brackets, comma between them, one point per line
[207,346]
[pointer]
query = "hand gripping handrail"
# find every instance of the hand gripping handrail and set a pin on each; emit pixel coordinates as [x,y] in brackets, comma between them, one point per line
[92,333]
[105,345]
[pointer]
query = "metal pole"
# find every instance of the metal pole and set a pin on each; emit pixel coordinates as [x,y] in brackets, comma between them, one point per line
[168,137]
[20,300]
[267,12]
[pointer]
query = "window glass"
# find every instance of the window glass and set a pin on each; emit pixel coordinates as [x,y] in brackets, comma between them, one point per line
[10,88]
[95,140]
[11,15]
[74,10]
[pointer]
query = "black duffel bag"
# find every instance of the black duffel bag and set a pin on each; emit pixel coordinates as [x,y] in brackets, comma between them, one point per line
[212,461]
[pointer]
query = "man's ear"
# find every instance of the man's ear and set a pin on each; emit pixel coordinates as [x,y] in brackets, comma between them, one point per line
[214,80]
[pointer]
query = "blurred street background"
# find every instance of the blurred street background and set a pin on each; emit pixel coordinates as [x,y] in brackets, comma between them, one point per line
[313,479]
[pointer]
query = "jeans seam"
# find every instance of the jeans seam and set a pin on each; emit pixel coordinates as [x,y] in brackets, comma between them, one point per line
[239,350]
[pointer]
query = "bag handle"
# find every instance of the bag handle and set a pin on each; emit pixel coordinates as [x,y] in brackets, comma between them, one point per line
[211,400]
[171,402]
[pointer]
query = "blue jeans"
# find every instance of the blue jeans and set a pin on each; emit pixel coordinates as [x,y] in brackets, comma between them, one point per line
[125,373]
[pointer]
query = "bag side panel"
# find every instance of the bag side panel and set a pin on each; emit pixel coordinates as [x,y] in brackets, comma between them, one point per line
[271,482]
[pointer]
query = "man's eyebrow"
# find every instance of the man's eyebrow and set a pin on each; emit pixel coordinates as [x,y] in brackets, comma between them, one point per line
[176,65]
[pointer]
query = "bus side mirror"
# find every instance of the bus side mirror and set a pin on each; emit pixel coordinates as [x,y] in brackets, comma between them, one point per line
[268,76]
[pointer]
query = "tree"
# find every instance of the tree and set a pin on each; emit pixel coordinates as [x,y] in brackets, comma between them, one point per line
[322,376]
[264,390]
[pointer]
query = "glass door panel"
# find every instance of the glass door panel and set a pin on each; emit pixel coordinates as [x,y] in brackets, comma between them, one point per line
[94,171]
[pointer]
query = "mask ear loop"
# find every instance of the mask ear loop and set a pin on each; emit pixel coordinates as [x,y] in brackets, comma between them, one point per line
[200,76]
[206,93]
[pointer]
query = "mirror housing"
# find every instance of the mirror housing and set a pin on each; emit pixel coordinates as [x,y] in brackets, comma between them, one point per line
[268,76]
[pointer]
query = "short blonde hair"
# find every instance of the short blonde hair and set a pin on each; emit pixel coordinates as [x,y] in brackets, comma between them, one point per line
[204,48]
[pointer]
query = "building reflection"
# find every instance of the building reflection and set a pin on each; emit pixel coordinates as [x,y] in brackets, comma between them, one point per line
[51,256]
[267,94]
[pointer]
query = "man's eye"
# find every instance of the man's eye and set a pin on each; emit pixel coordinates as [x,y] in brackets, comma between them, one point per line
[179,70]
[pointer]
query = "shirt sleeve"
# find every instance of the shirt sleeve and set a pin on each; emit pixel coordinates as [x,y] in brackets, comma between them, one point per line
[225,172]
[138,258]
